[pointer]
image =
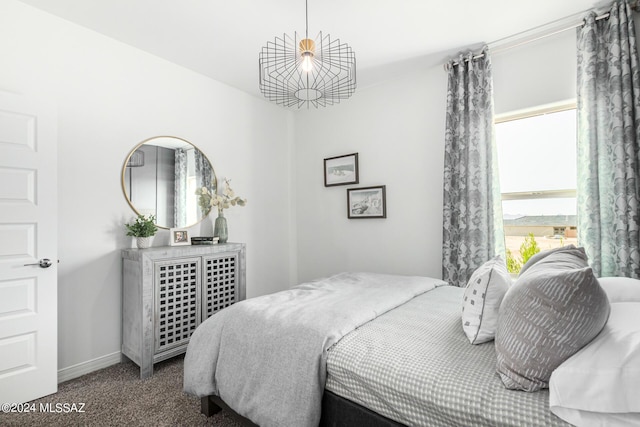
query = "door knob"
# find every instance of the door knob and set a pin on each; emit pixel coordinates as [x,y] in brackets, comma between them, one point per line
[43,263]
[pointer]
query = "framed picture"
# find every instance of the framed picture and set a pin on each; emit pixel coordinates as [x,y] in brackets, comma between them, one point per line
[179,236]
[369,202]
[341,170]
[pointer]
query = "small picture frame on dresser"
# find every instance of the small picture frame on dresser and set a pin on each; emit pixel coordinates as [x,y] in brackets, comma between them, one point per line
[179,236]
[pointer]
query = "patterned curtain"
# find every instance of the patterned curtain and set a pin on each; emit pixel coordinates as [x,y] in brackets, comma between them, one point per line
[204,177]
[608,143]
[180,203]
[473,230]
[204,171]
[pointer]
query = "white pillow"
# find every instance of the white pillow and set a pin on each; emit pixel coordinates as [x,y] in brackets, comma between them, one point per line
[600,384]
[621,289]
[482,298]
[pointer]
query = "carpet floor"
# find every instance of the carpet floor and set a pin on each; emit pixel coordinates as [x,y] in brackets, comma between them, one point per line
[116,396]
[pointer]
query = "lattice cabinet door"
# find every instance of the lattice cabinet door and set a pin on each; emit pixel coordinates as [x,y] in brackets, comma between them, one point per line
[220,287]
[177,301]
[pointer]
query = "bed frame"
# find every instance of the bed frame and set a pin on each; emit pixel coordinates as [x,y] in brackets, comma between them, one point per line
[336,412]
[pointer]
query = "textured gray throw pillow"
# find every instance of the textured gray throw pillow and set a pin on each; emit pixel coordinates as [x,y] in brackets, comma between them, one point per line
[542,255]
[554,309]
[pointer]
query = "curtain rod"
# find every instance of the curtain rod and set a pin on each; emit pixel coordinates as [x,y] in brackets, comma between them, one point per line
[538,33]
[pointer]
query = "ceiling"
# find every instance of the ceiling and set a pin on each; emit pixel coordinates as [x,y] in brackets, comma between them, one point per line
[222,39]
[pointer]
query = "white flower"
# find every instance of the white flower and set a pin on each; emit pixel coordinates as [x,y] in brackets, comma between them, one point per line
[208,199]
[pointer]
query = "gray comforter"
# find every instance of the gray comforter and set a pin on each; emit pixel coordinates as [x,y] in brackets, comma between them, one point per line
[266,356]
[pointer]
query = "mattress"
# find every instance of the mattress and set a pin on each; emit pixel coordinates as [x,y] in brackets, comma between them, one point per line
[415,365]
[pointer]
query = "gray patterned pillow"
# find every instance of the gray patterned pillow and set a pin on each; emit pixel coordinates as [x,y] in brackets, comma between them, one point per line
[542,255]
[554,309]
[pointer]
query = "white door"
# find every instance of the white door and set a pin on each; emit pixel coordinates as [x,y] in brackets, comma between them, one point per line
[28,235]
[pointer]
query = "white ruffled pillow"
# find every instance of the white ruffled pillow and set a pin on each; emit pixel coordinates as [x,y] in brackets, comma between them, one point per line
[600,384]
[482,297]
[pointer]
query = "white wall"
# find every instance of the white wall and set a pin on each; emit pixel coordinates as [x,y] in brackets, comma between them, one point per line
[111,96]
[398,130]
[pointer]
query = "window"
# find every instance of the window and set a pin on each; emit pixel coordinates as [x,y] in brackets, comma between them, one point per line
[537,162]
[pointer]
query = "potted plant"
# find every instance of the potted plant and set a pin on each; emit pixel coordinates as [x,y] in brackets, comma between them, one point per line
[143,228]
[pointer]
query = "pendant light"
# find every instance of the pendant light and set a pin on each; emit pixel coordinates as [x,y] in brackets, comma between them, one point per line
[297,72]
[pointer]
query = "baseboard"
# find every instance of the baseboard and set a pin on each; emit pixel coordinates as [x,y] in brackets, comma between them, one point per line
[89,366]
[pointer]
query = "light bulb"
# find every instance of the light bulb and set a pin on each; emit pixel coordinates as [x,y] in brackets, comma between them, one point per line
[307,62]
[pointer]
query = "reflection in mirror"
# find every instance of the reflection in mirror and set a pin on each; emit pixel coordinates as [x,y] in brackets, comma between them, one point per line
[160,178]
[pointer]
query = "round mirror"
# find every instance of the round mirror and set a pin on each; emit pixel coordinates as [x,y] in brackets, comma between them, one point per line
[160,177]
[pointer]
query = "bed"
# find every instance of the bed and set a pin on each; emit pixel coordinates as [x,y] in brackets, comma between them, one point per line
[414,365]
[355,349]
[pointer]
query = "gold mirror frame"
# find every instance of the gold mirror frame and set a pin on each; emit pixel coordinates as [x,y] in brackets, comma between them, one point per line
[135,163]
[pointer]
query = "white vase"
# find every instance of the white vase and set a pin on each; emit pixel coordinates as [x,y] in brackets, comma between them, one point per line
[143,242]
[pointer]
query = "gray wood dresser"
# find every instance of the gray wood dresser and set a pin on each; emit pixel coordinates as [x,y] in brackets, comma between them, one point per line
[168,291]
